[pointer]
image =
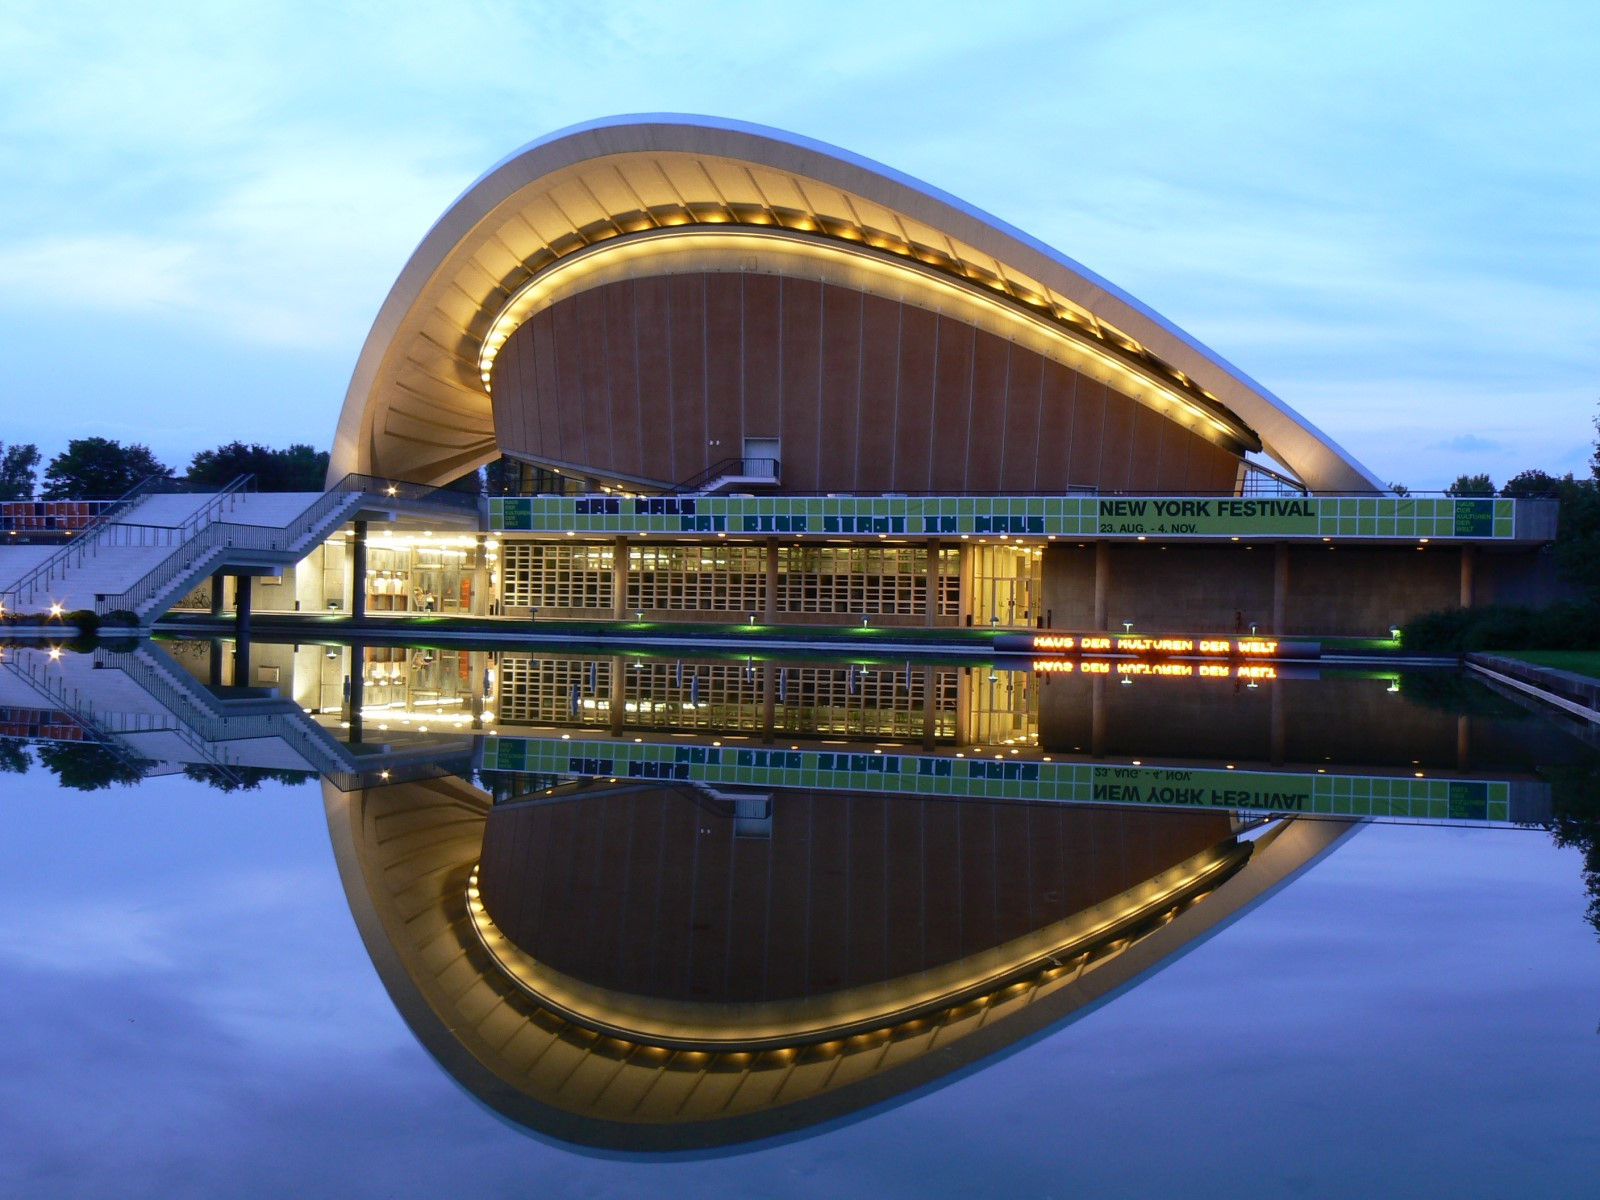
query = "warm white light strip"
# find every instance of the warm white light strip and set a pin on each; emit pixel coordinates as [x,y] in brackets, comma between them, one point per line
[725,248]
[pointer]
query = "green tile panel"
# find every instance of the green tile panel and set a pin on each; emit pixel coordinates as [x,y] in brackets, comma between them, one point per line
[1009,777]
[1029,516]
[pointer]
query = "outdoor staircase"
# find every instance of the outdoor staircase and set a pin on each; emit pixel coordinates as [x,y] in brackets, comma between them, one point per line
[151,550]
[746,474]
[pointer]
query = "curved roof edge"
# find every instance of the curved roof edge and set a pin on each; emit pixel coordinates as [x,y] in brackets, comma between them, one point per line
[1320,463]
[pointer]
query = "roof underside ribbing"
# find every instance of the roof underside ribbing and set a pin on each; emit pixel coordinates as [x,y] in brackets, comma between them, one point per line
[418,407]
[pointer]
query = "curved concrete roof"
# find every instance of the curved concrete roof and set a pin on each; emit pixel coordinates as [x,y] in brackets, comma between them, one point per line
[418,405]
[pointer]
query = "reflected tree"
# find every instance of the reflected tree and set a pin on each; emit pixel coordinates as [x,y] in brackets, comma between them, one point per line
[14,757]
[245,779]
[1575,820]
[86,766]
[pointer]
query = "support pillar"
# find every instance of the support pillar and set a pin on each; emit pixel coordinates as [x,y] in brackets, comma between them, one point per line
[930,585]
[480,578]
[930,713]
[1102,582]
[619,579]
[1278,722]
[1469,557]
[769,611]
[219,593]
[241,611]
[358,572]
[1097,716]
[358,684]
[769,699]
[214,660]
[1280,588]
[1463,743]
[617,706]
[475,660]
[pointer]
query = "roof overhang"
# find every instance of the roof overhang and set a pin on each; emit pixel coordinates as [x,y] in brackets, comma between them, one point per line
[418,406]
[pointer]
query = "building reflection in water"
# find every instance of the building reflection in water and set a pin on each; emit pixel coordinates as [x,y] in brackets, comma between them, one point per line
[660,967]
[681,916]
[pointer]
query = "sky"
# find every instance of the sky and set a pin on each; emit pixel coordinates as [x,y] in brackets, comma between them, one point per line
[1383,213]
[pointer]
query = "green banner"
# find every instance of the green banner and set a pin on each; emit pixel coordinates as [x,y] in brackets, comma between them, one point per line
[1218,518]
[1074,516]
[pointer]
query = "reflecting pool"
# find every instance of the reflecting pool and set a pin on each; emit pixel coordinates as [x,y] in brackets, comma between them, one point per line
[411,920]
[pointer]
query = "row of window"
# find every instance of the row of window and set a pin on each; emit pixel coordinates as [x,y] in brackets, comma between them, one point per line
[845,580]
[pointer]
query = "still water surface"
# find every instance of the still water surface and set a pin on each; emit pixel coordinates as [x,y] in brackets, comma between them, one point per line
[191,1010]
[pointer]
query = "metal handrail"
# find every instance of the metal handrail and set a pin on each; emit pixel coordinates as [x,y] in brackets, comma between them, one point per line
[81,711]
[730,466]
[83,540]
[1073,491]
[195,542]
[208,725]
[104,533]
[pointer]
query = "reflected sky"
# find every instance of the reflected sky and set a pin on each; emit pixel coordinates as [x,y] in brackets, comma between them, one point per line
[188,1006]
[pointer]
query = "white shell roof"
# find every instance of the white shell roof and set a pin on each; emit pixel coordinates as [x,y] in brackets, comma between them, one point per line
[417,405]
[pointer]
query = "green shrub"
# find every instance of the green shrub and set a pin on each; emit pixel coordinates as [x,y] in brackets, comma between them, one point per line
[1573,625]
[86,619]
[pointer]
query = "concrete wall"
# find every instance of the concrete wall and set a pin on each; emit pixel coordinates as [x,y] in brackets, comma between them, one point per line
[661,377]
[1196,589]
[1331,591]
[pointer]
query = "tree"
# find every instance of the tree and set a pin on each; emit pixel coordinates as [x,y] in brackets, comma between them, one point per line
[99,469]
[14,758]
[1399,489]
[1534,485]
[300,468]
[1594,462]
[86,766]
[1471,485]
[17,470]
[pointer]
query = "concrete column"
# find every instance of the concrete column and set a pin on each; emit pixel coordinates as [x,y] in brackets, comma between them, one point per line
[929,712]
[1097,716]
[769,695]
[214,659]
[241,610]
[1278,722]
[1463,743]
[969,590]
[475,684]
[358,683]
[1280,588]
[358,571]
[1102,582]
[930,585]
[480,577]
[619,579]
[769,612]
[618,704]
[219,593]
[1469,556]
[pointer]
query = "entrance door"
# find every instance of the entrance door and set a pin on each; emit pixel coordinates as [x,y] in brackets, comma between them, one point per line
[760,458]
